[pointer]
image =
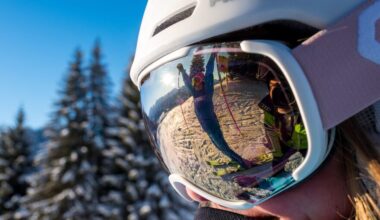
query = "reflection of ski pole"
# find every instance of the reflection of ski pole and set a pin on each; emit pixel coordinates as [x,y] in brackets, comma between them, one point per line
[183,115]
[225,100]
[180,104]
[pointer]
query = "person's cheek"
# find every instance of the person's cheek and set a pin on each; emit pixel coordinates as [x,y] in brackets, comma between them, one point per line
[322,196]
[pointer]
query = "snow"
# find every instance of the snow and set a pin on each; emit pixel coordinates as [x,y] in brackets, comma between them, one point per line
[124,121]
[55,173]
[52,145]
[73,156]
[22,213]
[68,177]
[114,151]
[67,193]
[132,192]
[122,163]
[133,174]
[141,161]
[114,131]
[62,161]
[164,202]
[106,211]
[132,126]
[142,185]
[116,197]
[73,211]
[20,159]
[3,163]
[111,180]
[129,141]
[133,115]
[145,210]
[85,167]
[141,126]
[130,157]
[38,159]
[5,189]
[3,177]
[133,216]
[65,132]
[79,190]
[112,143]
[50,209]
[99,142]
[83,149]
[154,191]
[31,191]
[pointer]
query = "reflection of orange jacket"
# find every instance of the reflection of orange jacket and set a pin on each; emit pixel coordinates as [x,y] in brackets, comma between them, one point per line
[222,64]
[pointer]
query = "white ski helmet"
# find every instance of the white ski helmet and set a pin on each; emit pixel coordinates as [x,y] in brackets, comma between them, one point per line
[170,25]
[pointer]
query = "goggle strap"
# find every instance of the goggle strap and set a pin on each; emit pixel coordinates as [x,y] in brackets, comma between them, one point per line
[342,64]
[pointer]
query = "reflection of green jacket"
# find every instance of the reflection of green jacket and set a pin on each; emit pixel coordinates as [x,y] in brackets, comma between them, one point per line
[298,139]
[269,119]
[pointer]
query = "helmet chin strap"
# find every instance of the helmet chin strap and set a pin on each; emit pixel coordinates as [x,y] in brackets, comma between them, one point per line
[342,64]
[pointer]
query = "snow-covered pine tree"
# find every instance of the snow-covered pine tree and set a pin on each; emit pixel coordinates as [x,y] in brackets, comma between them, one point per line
[148,191]
[111,176]
[99,108]
[14,166]
[6,172]
[66,186]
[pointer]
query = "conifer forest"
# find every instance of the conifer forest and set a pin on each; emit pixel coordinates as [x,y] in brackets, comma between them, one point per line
[93,160]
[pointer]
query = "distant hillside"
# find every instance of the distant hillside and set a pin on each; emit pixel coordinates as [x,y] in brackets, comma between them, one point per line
[168,102]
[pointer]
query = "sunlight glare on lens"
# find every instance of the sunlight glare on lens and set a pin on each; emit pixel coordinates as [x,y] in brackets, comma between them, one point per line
[168,79]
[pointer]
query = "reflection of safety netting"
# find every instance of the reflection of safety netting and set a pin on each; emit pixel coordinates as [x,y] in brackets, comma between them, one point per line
[186,148]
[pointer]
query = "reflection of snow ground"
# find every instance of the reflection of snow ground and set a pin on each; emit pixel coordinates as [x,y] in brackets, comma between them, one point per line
[186,148]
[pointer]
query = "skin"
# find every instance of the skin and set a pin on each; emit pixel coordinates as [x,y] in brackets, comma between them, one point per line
[322,196]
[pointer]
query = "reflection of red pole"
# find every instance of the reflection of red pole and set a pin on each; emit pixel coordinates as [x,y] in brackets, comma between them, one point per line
[183,115]
[225,100]
[180,104]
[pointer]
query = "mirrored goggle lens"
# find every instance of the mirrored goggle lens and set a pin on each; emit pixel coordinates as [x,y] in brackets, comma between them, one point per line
[226,121]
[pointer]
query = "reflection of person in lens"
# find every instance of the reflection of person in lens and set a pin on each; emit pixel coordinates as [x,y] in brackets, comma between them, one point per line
[279,110]
[280,120]
[201,87]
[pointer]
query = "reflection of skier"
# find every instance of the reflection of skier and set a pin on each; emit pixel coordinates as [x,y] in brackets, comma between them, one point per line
[274,122]
[201,87]
[279,120]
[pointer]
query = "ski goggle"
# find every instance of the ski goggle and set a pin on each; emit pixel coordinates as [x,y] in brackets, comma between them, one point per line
[227,124]
[240,122]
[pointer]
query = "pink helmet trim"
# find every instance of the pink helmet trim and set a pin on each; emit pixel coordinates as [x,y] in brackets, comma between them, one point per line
[344,79]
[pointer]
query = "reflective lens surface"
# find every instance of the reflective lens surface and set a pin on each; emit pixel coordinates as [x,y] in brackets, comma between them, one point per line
[226,121]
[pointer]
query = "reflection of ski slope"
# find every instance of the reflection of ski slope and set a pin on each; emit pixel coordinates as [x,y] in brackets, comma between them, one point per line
[186,148]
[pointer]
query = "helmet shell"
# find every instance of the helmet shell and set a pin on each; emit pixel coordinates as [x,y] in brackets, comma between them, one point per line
[211,18]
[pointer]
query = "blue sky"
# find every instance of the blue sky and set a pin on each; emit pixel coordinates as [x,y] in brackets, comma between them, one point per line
[37,42]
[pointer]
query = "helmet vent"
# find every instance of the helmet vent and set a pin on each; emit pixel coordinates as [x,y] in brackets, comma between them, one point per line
[174,19]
